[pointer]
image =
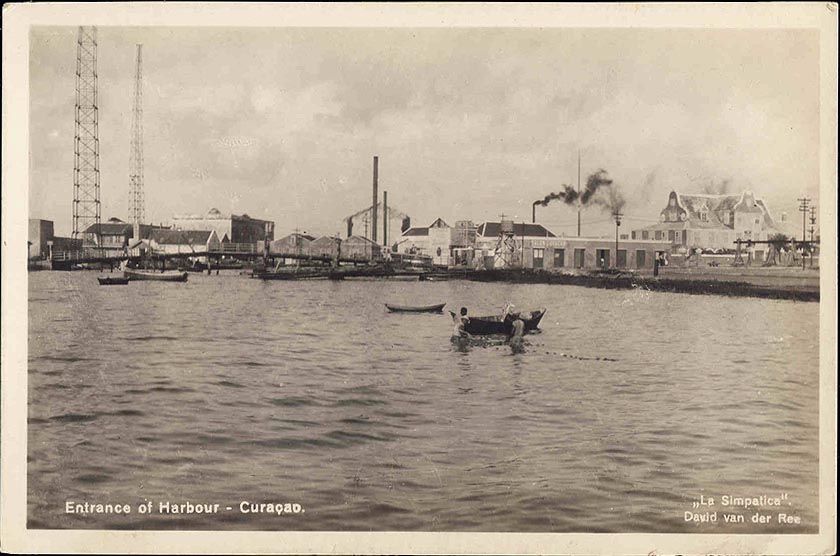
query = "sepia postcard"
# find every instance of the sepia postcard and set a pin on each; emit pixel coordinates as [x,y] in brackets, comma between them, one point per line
[419,278]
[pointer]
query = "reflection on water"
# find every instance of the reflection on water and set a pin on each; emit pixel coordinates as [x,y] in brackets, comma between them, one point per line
[625,408]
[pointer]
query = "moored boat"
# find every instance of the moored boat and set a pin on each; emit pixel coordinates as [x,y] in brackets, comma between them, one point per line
[482,326]
[415,308]
[112,280]
[157,276]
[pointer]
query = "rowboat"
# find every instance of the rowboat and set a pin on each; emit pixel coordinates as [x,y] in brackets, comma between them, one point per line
[481,326]
[415,308]
[158,276]
[112,280]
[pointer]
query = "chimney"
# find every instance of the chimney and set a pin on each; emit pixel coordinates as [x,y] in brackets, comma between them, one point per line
[385,218]
[349,227]
[375,196]
[406,224]
[136,230]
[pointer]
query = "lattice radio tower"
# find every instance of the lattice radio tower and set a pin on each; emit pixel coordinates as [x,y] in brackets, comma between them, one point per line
[136,203]
[86,207]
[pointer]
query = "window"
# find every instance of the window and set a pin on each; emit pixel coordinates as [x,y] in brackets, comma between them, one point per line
[539,254]
[658,235]
[438,251]
[640,258]
[559,258]
[621,258]
[633,235]
[602,258]
[645,235]
[671,235]
[579,257]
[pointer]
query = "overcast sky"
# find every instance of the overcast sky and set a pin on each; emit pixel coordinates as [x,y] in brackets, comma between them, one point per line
[468,123]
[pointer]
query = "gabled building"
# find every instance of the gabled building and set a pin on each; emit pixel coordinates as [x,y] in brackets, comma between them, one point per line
[183,241]
[325,246]
[229,228]
[115,234]
[294,243]
[434,240]
[361,249]
[710,221]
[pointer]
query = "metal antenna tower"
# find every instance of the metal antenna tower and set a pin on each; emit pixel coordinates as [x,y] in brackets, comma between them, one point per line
[136,202]
[86,207]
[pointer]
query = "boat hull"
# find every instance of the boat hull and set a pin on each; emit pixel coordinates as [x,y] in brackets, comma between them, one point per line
[485,326]
[156,276]
[112,281]
[416,309]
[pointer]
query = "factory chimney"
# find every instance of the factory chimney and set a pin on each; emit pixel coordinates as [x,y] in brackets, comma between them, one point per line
[385,218]
[350,226]
[374,208]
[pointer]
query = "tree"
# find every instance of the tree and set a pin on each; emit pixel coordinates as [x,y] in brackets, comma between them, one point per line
[776,243]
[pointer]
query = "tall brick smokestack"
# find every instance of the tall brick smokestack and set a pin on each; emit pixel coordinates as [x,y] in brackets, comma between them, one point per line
[375,197]
[385,218]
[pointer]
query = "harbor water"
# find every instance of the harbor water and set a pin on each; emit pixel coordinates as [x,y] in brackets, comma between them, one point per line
[621,413]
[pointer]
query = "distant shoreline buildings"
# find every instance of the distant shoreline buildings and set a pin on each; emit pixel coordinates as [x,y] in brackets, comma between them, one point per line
[689,223]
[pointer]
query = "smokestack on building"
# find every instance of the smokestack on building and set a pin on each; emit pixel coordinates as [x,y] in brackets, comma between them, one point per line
[375,197]
[350,226]
[385,218]
[406,224]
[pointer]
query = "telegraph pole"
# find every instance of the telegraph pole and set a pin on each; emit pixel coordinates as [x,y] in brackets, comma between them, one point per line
[813,222]
[803,208]
[617,215]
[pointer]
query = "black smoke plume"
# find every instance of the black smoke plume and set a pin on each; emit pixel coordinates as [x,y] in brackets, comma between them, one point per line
[592,193]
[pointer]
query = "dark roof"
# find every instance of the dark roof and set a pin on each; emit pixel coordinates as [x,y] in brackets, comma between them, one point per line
[359,239]
[245,217]
[326,239]
[179,237]
[416,232]
[109,229]
[491,229]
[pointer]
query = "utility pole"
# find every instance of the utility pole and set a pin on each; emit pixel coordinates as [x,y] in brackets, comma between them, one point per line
[374,206]
[803,208]
[813,222]
[86,206]
[617,215]
[136,203]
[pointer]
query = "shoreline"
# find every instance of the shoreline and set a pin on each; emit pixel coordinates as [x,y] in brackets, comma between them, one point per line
[738,286]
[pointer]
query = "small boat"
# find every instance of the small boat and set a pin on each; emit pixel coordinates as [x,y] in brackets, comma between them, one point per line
[158,276]
[112,280]
[416,308]
[482,326]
